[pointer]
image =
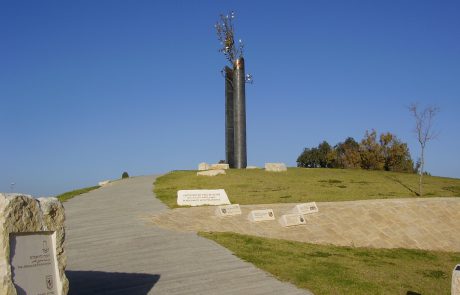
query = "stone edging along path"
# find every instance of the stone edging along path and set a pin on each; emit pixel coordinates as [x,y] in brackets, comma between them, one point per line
[112,248]
[419,223]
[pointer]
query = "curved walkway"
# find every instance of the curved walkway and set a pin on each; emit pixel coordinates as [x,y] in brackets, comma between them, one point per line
[112,248]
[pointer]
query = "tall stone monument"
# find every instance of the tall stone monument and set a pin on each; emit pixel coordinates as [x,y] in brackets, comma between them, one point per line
[32,257]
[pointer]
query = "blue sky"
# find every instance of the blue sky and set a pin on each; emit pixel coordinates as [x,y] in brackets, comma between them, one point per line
[89,89]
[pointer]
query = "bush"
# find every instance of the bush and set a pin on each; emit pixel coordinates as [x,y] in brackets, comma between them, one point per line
[125,175]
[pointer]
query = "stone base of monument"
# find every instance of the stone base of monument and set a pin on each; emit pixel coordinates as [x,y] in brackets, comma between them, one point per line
[292,219]
[203,166]
[456,280]
[228,210]
[219,166]
[275,167]
[305,208]
[32,256]
[211,173]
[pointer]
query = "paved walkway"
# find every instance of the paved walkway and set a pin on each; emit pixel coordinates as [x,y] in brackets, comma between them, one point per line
[112,248]
[419,223]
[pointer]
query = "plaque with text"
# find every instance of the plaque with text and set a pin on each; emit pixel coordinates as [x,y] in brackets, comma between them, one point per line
[33,263]
[306,208]
[202,197]
[261,215]
[228,210]
[292,219]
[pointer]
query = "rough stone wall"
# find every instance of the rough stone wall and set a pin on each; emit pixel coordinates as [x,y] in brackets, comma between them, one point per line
[22,213]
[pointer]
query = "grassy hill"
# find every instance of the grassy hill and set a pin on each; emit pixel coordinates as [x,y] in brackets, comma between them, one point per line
[301,185]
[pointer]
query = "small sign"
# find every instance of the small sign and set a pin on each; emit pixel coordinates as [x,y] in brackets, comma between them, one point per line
[228,210]
[261,215]
[202,197]
[292,219]
[456,280]
[306,208]
[33,263]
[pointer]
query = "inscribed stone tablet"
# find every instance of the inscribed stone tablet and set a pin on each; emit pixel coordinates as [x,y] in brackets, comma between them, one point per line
[456,280]
[228,210]
[292,219]
[261,215]
[33,263]
[202,197]
[306,208]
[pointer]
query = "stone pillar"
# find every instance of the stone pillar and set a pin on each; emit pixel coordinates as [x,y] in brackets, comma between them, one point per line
[229,131]
[456,280]
[239,110]
[32,257]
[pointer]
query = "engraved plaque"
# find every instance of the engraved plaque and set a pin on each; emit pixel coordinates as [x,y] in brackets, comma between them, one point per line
[306,208]
[33,263]
[261,215]
[228,210]
[292,219]
[202,197]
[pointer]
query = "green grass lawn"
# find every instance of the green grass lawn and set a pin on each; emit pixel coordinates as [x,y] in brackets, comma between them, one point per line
[327,269]
[69,195]
[300,184]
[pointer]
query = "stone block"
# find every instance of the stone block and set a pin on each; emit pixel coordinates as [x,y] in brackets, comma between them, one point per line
[261,215]
[219,166]
[32,256]
[202,197]
[103,183]
[292,219]
[252,167]
[456,280]
[228,210]
[210,172]
[203,166]
[275,167]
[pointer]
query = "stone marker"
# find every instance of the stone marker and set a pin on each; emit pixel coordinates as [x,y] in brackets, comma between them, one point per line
[203,166]
[456,280]
[305,208]
[292,219]
[261,215]
[32,256]
[104,183]
[228,210]
[202,197]
[252,167]
[210,173]
[220,166]
[275,167]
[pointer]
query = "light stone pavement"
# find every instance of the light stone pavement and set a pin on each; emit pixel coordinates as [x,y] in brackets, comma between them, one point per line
[419,223]
[112,248]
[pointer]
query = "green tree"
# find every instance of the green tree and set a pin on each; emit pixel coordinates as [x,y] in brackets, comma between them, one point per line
[371,152]
[348,154]
[395,153]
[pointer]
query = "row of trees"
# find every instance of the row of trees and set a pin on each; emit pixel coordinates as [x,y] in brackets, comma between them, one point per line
[385,152]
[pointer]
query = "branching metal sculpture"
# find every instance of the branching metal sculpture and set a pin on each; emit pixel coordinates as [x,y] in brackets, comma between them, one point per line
[235,92]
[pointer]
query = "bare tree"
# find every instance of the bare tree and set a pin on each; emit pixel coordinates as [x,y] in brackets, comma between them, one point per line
[424,132]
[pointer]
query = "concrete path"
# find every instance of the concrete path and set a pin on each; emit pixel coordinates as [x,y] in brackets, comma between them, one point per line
[112,248]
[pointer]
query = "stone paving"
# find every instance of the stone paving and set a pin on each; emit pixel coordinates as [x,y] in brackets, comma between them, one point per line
[419,223]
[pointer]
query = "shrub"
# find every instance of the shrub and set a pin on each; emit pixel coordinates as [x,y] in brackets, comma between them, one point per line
[125,175]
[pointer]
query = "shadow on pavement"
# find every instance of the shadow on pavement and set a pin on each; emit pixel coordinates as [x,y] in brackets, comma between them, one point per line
[97,282]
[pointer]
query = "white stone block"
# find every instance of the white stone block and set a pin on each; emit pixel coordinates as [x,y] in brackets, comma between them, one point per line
[456,280]
[292,219]
[104,183]
[275,167]
[32,255]
[203,166]
[305,208]
[210,173]
[261,215]
[202,197]
[228,210]
[220,166]
[252,167]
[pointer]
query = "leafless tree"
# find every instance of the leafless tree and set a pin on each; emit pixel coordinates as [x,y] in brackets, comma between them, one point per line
[424,132]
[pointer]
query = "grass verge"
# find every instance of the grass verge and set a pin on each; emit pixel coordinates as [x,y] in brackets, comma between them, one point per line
[69,195]
[300,185]
[325,269]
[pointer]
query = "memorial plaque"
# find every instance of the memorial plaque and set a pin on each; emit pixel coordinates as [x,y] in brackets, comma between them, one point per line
[261,215]
[33,263]
[202,197]
[306,208]
[228,210]
[292,219]
[456,280]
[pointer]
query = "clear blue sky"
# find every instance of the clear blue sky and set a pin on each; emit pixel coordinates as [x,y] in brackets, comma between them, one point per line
[90,89]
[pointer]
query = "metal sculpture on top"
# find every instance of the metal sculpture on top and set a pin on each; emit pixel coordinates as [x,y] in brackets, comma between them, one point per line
[235,93]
